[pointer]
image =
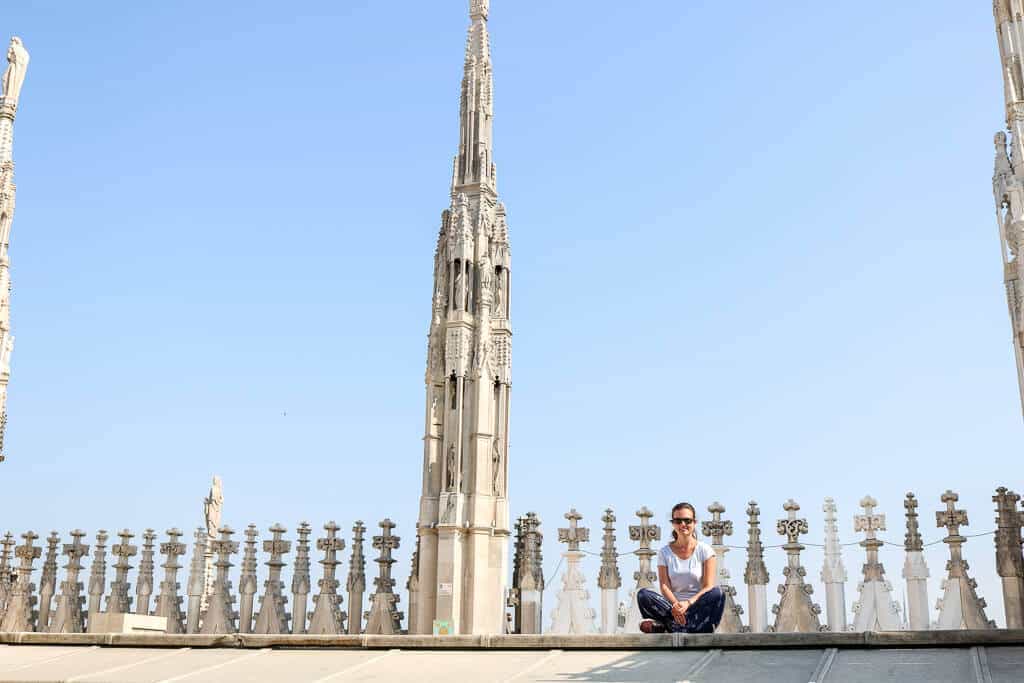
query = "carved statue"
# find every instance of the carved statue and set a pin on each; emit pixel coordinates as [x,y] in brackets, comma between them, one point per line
[486,279]
[212,506]
[17,63]
[496,466]
[451,468]
[460,286]
[499,293]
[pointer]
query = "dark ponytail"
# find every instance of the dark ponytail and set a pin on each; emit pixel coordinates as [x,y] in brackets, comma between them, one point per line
[685,506]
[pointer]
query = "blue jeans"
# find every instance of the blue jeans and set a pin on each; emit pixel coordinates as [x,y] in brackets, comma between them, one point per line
[702,616]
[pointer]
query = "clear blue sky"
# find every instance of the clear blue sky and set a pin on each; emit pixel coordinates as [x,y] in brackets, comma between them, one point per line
[755,257]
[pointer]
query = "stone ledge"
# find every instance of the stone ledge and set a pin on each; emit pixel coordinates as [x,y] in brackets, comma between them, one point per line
[665,641]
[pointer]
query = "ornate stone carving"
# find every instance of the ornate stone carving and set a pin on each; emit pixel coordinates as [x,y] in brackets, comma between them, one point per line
[14,76]
[272,618]
[833,572]
[356,582]
[220,616]
[48,581]
[572,613]
[118,602]
[383,616]
[609,580]
[959,607]
[718,528]
[247,586]
[795,611]
[915,571]
[645,577]
[197,580]
[328,619]
[168,602]
[6,573]
[301,580]
[875,610]
[67,618]
[20,615]
[144,586]
[756,574]
[98,574]
[1009,558]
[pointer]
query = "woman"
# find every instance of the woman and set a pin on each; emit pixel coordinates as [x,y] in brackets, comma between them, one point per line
[689,601]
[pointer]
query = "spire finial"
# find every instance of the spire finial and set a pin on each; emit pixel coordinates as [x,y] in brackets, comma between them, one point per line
[479,9]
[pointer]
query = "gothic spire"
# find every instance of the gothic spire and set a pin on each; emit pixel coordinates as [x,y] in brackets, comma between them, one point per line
[473,163]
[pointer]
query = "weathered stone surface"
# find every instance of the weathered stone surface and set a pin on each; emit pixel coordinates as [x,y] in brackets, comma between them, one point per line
[529,609]
[756,574]
[272,617]
[383,617]
[795,611]
[48,582]
[875,609]
[247,582]
[572,613]
[67,618]
[168,603]
[356,581]
[144,586]
[915,570]
[328,618]
[196,581]
[718,528]
[20,614]
[463,574]
[301,580]
[609,580]
[833,571]
[645,577]
[98,573]
[959,607]
[220,615]
[1009,558]
[119,602]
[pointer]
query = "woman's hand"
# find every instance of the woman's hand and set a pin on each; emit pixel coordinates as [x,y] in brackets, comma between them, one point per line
[679,611]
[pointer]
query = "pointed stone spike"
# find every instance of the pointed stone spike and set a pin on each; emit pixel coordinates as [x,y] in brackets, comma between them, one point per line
[572,613]
[119,602]
[915,570]
[247,582]
[795,613]
[272,618]
[718,528]
[97,575]
[300,579]
[1009,560]
[356,583]
[48,582]
[384,617]
[220,615]
[67,617]
[144,588]
[609,580]
[328,619]
[197,580]
[168,603]
[876,608]
[833,571]
[756,574]
[959,607]
[20,615]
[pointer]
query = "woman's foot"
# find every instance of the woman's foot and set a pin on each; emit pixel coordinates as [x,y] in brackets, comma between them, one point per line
[651,626]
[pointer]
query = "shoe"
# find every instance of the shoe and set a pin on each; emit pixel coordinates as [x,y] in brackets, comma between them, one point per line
[651,626]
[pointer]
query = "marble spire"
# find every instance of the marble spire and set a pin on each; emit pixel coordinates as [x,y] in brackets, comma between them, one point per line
[645,533]
[915,570]
[13,79]
[355,584]
[1008,176]
[97,575]
[168,602]
[718,528]
[328,619]
[197,581]
[959,607]
[833,571]
[383,617]
[756,574]
[530,594]
[220,616]
[272,618]
[300,579]
[144,585]
[1009,560]
[795,611]
[572,613]
[67,617]
[20,615]
[609,580]
[5,570]
[875,609]
[247,585]
[48,581]
[464,525]
[119,602]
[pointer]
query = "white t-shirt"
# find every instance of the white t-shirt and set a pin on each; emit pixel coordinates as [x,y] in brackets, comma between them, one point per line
[685,575]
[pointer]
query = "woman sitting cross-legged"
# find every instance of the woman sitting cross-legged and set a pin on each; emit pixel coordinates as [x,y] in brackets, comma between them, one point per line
[689,601]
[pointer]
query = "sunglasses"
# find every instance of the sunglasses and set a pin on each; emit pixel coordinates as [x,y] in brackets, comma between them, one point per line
[688,521]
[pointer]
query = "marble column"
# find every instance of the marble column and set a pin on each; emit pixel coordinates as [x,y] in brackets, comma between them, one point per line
[572,613]
[356,582]
[915,570]
[247,586]
[756,574]
[833,572]
[609,580]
